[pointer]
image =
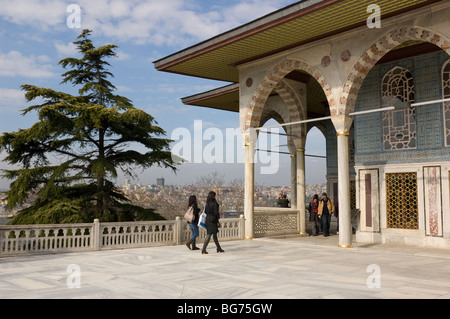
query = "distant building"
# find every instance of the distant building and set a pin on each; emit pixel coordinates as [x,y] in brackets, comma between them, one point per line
[160,181]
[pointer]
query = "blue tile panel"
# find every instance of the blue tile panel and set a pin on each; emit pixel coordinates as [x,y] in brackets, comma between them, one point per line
[426,70]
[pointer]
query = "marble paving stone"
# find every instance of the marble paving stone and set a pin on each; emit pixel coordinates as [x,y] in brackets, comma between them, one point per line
[294,268]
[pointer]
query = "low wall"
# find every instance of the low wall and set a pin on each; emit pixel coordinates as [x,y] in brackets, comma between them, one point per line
[272,221]
[51,239]
[44,239]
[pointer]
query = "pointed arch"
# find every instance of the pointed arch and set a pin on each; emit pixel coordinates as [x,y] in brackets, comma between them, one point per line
[273,80]
[375,52]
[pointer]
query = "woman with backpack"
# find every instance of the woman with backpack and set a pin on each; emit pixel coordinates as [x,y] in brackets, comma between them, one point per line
[212,222]
[193,225]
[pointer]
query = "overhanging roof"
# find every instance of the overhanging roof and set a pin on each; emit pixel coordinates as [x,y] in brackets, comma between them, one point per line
[225,98]
[297,24]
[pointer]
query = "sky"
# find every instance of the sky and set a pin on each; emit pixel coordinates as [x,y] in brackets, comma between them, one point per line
[35,35]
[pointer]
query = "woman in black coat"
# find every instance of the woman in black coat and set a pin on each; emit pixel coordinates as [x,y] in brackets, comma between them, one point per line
[193,225]
[212,222]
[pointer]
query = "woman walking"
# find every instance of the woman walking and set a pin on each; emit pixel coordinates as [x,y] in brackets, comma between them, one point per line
[193,225]
[212,222]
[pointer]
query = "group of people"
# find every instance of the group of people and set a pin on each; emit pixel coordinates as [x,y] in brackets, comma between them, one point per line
[320,216]
[282,201]
[212,222]
[320,212]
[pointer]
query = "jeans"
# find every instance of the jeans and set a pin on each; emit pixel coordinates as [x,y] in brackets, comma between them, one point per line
[194,230]
[315,224]
[326,219]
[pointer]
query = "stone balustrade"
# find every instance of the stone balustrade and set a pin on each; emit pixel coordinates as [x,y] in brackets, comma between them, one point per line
[43,239]
[15,239]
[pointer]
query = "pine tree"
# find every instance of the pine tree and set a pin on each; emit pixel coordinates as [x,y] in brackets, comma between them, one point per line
[92,136]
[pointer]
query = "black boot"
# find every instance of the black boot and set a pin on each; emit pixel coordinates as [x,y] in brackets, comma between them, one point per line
[188,244]
[205,244]
[194,247]
[219,249]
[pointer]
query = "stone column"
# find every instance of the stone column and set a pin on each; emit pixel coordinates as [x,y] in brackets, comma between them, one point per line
[301,191]
[96,235]
[294,181]
[343,124]
[249,188]
[345,225]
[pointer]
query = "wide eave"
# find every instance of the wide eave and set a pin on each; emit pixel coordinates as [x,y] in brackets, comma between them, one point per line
[290,27]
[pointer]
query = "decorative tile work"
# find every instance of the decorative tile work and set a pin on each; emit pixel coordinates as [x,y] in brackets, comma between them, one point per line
[426,70]
[401,201]
[399,125]
[433,204]
[446,105]
[369,59]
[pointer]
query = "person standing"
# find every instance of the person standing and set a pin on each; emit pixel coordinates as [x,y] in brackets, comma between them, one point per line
[285,202]
[326,208]
[194,224]
[313,215]
[280,200]
[212,222]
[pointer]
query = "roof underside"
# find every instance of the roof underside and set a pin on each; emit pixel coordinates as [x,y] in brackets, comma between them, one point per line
[303,22]
[227,98]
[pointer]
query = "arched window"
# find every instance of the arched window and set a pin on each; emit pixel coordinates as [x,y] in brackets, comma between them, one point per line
[446,95]
[399,125]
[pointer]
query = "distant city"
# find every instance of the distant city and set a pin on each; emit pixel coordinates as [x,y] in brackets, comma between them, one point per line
[170,201]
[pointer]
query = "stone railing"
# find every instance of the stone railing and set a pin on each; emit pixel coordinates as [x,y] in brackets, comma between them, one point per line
[41,239]
[275,221]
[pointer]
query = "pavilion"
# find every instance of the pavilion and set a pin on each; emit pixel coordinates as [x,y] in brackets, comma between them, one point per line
[383,81]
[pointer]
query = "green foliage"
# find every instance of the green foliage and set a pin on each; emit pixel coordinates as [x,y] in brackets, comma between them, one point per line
[91,136]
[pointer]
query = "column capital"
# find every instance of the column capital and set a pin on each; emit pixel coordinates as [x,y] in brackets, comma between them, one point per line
[342,123]
[299,143]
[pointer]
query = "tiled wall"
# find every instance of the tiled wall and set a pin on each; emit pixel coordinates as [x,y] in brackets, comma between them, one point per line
[426,70]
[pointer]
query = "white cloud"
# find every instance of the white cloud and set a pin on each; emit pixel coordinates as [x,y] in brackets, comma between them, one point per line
[169,22]
[14,63]
[41,13]
[66,50]
[121,56]
[11,99]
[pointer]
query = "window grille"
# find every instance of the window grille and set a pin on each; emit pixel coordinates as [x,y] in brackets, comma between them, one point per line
[399,125]
[401,201]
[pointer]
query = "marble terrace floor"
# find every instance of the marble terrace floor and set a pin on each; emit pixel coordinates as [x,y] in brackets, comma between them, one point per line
[287,267]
